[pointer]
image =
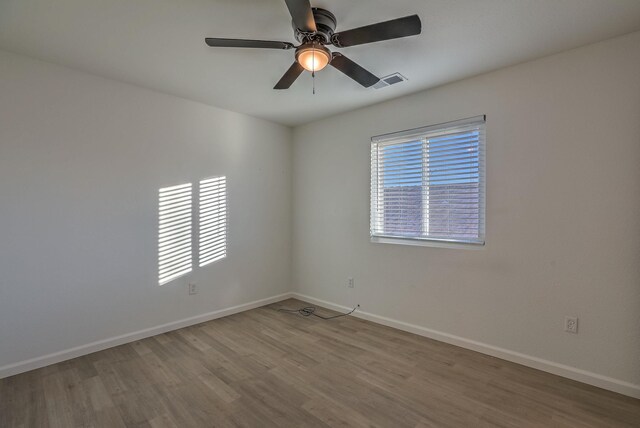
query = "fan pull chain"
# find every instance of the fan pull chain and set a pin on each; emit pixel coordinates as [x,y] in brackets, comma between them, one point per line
[313,70]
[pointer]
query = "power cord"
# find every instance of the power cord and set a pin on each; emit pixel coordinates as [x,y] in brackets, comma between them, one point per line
[311,310]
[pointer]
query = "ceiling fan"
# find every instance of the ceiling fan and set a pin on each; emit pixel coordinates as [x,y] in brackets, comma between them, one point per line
[314,29]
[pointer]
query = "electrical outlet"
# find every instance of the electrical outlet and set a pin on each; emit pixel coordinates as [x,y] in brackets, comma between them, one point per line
[350,283]
[571,325]
[193,288]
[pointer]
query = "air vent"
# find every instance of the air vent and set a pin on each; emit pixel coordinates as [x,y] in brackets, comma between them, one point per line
[389,80]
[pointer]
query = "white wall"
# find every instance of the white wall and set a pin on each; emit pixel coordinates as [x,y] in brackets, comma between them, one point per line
[563,213]
[81,161]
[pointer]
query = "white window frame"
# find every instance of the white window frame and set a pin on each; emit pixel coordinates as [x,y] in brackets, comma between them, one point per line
[420,134]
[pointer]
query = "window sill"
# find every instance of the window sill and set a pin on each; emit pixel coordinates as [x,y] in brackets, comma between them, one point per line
[428,243]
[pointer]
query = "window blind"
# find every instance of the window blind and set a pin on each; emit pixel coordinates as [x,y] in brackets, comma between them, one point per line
[429,183]
[174,232]
[213,220]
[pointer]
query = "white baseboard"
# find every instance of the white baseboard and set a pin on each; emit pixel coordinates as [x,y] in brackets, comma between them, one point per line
[569,372]
[67,354]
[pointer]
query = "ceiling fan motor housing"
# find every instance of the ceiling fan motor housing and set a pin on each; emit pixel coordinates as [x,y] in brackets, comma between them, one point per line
[325,25]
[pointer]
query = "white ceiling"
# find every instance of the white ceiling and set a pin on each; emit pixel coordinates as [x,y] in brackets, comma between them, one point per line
[159,44]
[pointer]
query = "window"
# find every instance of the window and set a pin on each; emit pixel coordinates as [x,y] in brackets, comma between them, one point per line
[174,232]
[428,184]
[213,220]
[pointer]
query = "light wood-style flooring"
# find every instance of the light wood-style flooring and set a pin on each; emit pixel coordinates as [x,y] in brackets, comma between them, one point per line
[264,368]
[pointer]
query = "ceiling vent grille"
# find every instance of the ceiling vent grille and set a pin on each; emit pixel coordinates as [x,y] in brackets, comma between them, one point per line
[389,80]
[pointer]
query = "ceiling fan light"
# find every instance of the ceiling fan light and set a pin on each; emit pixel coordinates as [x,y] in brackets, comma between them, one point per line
[313,57]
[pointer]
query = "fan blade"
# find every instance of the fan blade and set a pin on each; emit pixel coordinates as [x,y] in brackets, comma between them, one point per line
[394,29]
[353,70]
[242,43]
[302,15]
[290,76]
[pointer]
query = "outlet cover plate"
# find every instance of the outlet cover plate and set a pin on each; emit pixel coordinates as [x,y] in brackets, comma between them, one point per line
[571,325]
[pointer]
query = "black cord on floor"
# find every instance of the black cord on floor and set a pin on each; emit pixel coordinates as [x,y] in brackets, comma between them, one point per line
[311,310]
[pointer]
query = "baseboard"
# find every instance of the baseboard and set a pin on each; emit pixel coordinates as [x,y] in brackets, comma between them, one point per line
[67,354]
[569,372]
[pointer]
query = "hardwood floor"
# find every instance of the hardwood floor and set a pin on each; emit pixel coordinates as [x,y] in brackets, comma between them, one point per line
[264,368]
